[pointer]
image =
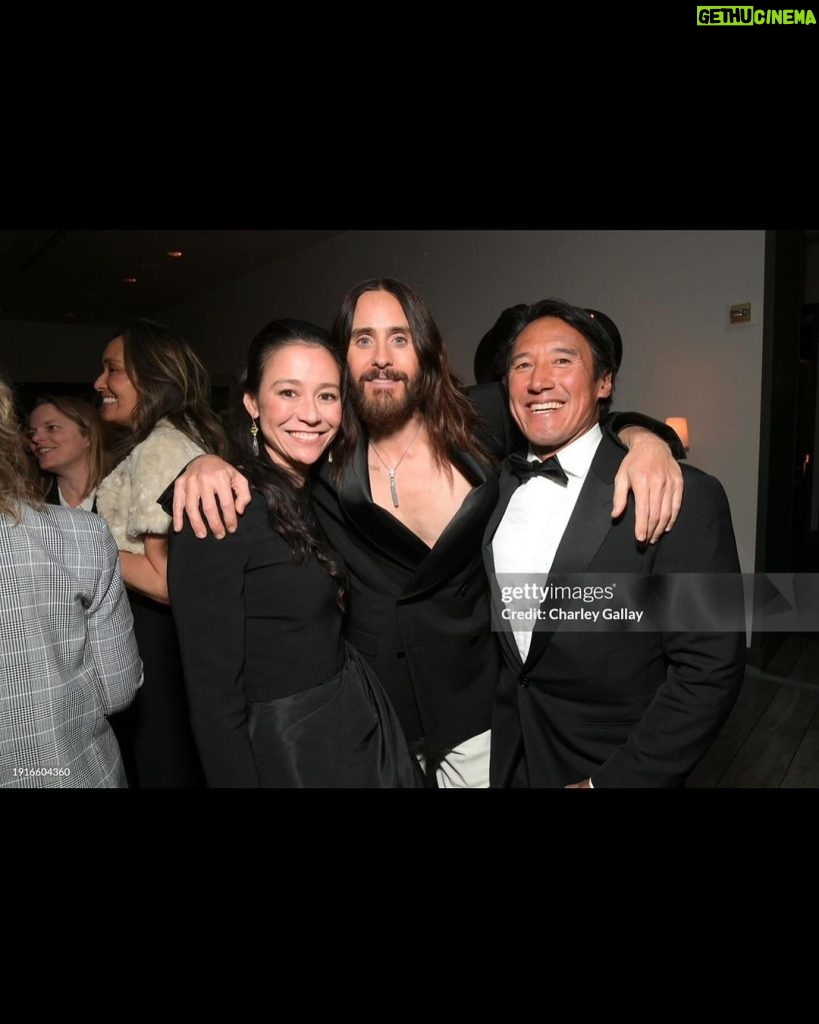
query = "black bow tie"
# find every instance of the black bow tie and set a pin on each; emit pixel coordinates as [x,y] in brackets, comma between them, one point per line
[524,469]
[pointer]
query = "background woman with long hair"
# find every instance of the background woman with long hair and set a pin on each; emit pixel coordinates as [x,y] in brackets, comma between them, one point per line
[278,699]
[67,442]
[154,385]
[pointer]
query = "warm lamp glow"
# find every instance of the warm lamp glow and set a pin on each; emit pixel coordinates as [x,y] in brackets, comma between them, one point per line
[680,425]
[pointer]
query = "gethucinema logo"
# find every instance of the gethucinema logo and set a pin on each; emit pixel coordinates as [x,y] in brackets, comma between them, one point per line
[753,16]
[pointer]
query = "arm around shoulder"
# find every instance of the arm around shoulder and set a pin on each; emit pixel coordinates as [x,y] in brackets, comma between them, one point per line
[615,423]
[211,492]
[650,470]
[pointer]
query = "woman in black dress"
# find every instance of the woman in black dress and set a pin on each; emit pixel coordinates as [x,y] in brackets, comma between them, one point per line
[277,697]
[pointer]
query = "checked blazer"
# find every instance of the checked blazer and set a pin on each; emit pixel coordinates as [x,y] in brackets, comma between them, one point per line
[68,657]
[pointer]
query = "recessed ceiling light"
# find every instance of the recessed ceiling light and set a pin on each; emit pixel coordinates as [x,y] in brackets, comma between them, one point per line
[129,280]
[174,254]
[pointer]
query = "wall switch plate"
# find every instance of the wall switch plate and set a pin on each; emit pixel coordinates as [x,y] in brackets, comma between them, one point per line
[740,313]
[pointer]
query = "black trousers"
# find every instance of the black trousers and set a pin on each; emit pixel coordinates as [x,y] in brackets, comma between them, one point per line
[154,733]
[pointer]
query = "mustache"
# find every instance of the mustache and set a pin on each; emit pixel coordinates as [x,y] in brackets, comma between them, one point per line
[383,375]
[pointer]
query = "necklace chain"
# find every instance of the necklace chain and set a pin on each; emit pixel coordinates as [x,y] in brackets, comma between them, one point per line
[392,472]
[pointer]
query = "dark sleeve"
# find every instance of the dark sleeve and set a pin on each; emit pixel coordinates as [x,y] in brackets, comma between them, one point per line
[704,670]
[206,582]
[165,499]
[615,421]
[498,432]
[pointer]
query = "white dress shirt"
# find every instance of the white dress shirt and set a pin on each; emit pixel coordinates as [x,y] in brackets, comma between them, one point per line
[536,517]
[87,502]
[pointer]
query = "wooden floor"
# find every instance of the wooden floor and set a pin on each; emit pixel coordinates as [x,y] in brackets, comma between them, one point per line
[771,738]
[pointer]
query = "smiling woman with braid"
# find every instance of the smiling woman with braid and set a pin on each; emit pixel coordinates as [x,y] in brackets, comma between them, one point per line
[277,698]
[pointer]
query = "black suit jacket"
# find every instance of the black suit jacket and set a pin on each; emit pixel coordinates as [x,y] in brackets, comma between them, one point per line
[624,708]
[419,615]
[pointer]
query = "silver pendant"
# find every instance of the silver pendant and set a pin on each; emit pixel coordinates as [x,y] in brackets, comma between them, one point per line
[393,490]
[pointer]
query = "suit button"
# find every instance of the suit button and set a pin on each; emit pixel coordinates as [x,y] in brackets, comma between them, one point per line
[400,654]
[524,682]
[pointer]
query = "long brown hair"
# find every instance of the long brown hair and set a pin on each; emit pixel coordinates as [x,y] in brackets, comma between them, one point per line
[288,512]
[450,418]
[85,416]
[171,383]
[16,483]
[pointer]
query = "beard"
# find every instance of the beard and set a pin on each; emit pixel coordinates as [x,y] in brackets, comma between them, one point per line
[382,412]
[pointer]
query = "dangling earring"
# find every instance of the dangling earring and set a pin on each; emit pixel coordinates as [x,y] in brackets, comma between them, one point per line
[330,455]
[254,444]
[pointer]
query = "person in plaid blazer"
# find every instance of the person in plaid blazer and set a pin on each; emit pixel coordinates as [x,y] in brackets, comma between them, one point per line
[68,657]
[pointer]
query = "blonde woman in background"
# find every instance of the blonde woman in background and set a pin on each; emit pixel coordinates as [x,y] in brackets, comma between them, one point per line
[66,438]
[68,657]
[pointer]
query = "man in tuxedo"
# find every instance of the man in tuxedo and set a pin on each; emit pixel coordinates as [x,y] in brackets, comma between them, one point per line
[631,703]
[405,505]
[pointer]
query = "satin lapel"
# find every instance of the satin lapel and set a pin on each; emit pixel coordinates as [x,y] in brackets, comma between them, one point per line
[462,536]
[381,529]
[507,484]
[586,530]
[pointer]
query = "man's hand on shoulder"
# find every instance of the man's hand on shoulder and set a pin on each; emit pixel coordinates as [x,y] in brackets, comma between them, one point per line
[651,471]
[213,489]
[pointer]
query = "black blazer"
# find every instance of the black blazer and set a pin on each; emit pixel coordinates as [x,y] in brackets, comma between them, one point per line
[419,616]
[626,709]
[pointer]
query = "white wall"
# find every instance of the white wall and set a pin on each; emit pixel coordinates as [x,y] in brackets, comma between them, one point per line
[667,291]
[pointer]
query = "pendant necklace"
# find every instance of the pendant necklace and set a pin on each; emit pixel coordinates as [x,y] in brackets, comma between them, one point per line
[392,472]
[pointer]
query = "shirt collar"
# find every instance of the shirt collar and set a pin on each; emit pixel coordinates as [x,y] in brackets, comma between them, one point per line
[577,456]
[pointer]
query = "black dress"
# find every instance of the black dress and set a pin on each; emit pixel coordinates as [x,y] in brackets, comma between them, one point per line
[277,697]
[154,733]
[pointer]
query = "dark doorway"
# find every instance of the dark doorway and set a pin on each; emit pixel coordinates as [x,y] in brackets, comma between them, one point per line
[805,541]
[786,510]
